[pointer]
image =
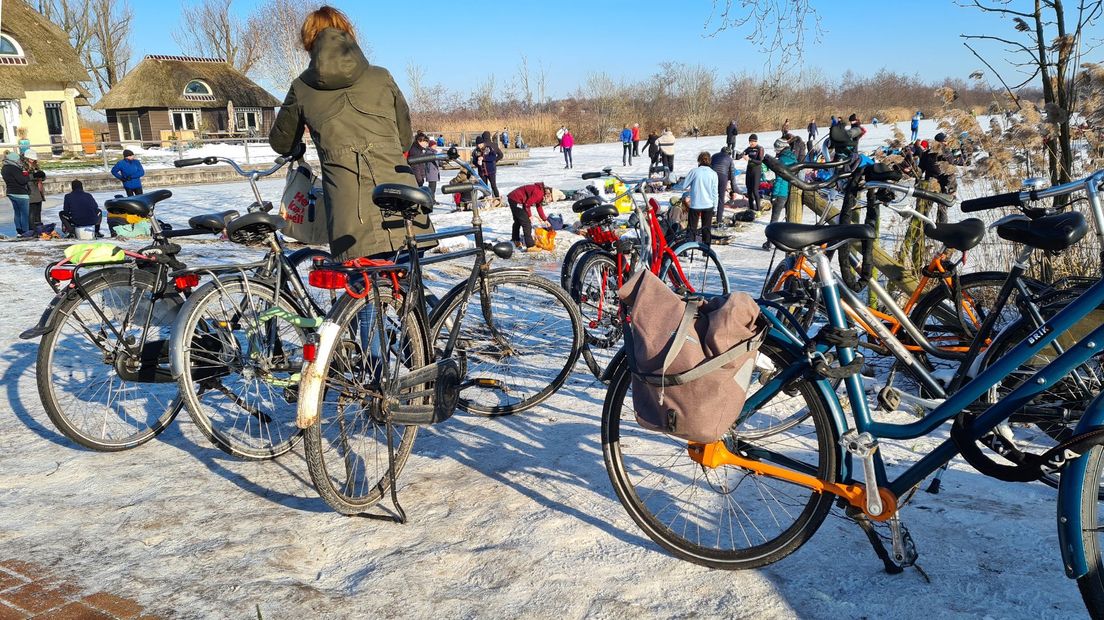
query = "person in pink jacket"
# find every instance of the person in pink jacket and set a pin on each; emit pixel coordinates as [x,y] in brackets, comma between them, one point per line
[567,142]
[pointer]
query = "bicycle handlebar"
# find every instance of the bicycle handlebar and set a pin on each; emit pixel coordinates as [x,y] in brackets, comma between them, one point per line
[195,161]
[1011,199]
[787,173]
[458,188]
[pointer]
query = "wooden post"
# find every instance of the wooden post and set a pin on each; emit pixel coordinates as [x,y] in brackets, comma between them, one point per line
[911,254]
[794,207]
[899,278]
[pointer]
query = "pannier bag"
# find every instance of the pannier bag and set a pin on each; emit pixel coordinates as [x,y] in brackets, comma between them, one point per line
[691,360]
[302,206]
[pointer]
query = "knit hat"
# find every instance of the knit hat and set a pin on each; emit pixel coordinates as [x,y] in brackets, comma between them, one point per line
[12,156]
[127,153]
[941,137]
[753,137]
[30,154]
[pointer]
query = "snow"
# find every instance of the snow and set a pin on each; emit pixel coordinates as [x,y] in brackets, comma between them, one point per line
[509,517]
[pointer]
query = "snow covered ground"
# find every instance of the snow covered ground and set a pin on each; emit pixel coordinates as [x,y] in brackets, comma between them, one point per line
[510,517]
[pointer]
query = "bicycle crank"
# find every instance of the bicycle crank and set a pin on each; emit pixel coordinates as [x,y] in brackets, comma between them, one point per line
[406,403]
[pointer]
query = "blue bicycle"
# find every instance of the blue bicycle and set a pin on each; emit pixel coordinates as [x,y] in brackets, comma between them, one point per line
[764,489]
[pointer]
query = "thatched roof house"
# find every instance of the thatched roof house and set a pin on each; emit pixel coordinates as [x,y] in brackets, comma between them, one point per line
[39,78]
[185,97]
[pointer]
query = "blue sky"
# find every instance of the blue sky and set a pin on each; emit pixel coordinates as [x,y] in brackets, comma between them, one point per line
[460,43]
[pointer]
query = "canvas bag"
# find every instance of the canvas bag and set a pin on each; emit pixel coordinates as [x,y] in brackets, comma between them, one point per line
[303,207]
[691,360]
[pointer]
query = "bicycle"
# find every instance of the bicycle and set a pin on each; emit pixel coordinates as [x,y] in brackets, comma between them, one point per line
[381,365]
[102,364]
[966,315]
[705,502]
[236,347]
[600,272]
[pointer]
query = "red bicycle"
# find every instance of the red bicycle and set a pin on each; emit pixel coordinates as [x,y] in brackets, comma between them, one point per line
[688,266]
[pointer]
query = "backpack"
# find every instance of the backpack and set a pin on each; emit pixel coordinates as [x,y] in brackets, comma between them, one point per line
[691,360]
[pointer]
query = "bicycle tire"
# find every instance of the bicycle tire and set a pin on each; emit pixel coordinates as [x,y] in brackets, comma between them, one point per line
[1057,426]
[594,290]
[345,437]
[1091,584]
[571,259]
[240,389]
[100,427]
[703,270]
[301,261]
[671,508]
[540,324]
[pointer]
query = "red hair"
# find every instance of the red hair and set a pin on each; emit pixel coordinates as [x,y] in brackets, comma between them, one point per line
[317,21]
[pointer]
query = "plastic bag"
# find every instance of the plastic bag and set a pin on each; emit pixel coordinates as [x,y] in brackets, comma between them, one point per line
[545,238]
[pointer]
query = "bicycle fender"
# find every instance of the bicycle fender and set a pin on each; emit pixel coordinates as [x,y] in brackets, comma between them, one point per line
[49,319]
[1070,485]
[313,377]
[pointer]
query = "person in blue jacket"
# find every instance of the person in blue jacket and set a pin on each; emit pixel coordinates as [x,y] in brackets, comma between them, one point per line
[780,190]
[626,146]
[915,127]
[130,171]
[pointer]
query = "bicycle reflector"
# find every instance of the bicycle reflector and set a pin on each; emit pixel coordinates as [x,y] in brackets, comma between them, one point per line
[61,273]
[325,278]
[310,351]
[186,281]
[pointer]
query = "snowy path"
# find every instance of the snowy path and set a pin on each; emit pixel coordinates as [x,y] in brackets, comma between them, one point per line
[510,517]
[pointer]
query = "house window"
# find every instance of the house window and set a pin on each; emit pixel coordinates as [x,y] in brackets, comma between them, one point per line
[8,46]
[185,120]
[247,119]
[197,87]
[129,127]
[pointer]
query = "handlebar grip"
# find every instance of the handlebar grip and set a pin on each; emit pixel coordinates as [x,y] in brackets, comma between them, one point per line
[191,161]
[1011,199]
[458,188]
[783,171]
[942,199]
[592,175]
[421,159]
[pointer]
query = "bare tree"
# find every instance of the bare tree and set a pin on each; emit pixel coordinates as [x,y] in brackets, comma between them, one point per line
[209,29]
[542,86]
[605,97]
[483,97]
[693,89]
[282,57]
[107,53]
[421,98]
[779,28]
[1047,44]
[73,17]
[523,83]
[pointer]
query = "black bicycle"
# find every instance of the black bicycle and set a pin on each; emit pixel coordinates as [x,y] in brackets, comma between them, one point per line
[498,343]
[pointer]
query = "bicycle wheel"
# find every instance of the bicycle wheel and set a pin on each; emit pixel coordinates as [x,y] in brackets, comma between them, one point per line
[701,268]
[301,261]
[571,259]
[594,289]
[1091,583]
[518,341]
[237,356]
[1052,415]
[725,517]
[97,387]
[347,445]
[795,292]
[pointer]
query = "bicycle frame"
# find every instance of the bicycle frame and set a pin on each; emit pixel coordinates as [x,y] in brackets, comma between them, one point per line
[778,466]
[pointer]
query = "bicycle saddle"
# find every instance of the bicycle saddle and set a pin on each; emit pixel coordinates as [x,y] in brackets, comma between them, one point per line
[1053,232]
[140,205]
[583,204]
[212,222]
[253,227]
[961,236]
[793,237]
[596,215]
[405,200]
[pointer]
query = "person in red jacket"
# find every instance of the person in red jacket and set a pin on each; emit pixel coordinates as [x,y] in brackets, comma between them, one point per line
[636,139]
[522,200]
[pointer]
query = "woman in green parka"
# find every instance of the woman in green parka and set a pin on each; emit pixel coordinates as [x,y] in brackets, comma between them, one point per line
[359,122]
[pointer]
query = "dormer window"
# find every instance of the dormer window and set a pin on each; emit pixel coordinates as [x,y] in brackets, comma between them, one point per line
[197,87]
[8,46]
[198,90]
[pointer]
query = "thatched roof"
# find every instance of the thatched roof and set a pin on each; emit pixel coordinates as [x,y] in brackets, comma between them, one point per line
[47,54]
[159,81]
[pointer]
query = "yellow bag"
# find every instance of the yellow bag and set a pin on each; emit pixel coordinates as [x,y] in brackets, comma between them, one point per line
[94,253]
[624,204]
[545,238]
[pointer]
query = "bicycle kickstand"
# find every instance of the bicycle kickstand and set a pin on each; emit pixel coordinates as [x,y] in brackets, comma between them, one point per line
[937,480]
[859,518]
[400,514]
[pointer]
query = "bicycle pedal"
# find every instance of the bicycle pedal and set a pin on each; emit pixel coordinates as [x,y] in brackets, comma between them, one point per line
[486,383]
